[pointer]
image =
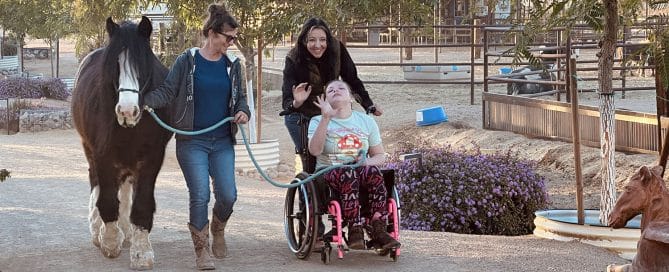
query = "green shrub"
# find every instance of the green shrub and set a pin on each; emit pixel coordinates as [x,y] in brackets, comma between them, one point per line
[468,192]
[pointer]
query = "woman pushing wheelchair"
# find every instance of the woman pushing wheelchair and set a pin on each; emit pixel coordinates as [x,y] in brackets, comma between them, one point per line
[336,137]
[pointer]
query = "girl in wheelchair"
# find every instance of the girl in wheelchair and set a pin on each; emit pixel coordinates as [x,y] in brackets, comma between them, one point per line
[336,137]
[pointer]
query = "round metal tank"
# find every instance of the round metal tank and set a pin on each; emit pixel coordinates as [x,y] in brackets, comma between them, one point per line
[266,154]
[562,225]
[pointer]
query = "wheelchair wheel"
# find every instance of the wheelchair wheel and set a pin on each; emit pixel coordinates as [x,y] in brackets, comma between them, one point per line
[301,217]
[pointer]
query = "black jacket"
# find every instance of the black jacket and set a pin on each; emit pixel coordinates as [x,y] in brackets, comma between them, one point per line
[178,88]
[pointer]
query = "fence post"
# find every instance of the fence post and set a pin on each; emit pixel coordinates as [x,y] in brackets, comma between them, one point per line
[485,74]
[576,139]
[662,105]
[476,38]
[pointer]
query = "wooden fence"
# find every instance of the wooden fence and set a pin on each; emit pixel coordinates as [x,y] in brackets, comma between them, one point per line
[635,131]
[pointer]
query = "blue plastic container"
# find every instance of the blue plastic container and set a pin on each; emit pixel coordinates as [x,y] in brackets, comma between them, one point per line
[430,116]
[505,70]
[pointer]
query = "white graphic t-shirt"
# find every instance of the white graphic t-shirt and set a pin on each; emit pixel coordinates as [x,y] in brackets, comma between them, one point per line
[345,138]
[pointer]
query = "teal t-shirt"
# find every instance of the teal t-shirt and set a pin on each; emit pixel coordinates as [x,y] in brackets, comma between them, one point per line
[345,138]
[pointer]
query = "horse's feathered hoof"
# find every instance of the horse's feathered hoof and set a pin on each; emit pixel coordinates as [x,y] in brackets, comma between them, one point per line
[141,252]
[96,241]
[141,260]
[111,238]
[110,252]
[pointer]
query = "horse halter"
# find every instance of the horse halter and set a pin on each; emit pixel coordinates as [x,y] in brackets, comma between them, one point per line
[127,90]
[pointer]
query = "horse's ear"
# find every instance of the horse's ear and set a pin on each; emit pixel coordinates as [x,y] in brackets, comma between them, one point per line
[145,28]
[111,26]
[646,174]
[657,170]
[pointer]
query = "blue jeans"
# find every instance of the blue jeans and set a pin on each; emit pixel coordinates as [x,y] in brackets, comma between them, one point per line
[201,157]
[293,122]
[297,125]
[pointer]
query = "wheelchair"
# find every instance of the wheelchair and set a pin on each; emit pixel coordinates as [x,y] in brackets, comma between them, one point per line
[307,204]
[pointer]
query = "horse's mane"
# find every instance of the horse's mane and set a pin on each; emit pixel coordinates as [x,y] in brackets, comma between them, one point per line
[140,55]
[141,58]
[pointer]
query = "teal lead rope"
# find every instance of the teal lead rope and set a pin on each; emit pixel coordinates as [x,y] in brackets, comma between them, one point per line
[295,182]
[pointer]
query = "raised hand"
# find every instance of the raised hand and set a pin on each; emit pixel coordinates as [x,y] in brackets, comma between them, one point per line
[326,109]
[300,94]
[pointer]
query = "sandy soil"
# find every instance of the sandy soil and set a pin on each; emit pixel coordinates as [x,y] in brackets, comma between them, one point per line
[44,203]
[43,210]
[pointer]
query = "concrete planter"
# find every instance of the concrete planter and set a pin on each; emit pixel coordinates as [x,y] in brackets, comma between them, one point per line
[562,225]
[266,154]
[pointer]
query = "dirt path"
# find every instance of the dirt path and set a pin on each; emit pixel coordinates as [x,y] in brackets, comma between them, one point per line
[43,226]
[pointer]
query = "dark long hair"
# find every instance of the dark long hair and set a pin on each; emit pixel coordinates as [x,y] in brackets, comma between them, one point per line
[218,18]
[303,54]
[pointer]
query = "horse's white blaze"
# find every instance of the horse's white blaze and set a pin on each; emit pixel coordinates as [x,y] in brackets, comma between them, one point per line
[141,252]
[127,108]
[125,207]
[94,220]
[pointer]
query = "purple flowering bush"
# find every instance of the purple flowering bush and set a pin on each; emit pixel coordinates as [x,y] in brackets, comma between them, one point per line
[53,88]
[468,192]
[21,87]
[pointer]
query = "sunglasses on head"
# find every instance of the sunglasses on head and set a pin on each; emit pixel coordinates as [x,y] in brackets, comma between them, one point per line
[228,38]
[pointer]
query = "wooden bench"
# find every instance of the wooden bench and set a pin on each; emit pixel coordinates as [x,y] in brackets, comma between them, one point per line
[9,65]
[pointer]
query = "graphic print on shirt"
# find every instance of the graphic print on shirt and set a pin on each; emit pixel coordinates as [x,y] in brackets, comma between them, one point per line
[349,142]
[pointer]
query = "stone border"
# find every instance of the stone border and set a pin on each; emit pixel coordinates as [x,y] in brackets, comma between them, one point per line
[44,119]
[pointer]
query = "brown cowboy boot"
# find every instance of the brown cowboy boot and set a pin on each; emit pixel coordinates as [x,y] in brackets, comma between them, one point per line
[201,243]
[381,236]
[218,231]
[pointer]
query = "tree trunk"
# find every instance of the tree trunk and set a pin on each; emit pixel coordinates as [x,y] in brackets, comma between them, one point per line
[52,44]
[249,54]
[608,170]
[19,54]
[57,54]
[406,40]
[2,41]
[607,110]
[343,36]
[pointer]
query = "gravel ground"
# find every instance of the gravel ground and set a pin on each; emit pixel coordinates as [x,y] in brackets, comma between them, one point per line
[44,226]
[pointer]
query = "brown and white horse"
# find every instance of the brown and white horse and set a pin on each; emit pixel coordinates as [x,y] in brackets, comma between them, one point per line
[645,193]
[124,151]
